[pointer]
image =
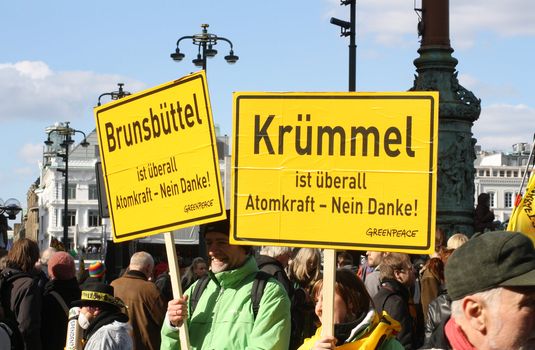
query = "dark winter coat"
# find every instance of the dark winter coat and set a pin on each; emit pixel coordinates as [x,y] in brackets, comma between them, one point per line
[54,329]
[439,311]
[25,302]
[393,297]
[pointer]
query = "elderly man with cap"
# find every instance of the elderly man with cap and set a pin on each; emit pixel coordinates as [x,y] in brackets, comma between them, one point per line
[105,325]
[223,317]
[491,281]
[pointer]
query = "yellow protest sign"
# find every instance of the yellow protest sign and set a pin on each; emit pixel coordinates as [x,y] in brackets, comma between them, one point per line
[159,156]
[335,170]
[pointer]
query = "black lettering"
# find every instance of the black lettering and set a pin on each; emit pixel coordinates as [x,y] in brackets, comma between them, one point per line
[262,134]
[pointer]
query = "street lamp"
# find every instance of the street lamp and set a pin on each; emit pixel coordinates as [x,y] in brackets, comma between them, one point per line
[65,133]
[8,211]
[348,29]
[115,95]
[10,207]
[205,48]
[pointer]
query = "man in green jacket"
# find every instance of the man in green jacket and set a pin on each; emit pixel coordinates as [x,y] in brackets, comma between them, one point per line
[223,317]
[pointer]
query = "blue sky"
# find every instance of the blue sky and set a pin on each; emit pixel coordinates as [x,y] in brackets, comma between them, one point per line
[57,57]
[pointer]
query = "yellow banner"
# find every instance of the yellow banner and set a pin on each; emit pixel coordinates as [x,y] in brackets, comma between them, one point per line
[523,217]
[335,170]
[159,156]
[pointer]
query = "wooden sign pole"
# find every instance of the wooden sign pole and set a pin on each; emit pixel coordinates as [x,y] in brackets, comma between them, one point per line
[174,273]
[329,278]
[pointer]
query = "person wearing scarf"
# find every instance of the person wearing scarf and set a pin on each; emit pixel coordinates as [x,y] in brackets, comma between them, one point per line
[105,325]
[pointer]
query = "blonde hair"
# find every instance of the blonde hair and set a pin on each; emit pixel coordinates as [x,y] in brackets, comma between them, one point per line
[457,240]
[305,269]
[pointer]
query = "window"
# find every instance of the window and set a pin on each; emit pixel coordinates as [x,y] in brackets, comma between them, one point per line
[502,173]
[93,218]
[93,193]
[492,201]
[71,192]
[508,200]
[71,217]
[481,173]
[487,172]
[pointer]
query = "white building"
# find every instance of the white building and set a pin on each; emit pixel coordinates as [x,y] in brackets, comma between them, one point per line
[500,175]
[86,227]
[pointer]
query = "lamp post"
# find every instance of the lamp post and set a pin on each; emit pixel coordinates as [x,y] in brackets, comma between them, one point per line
[115,95]
[205,43]
[348,29]
[65,133]
[8,211]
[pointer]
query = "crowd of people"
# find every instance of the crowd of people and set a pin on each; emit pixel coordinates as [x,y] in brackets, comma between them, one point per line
[476,293]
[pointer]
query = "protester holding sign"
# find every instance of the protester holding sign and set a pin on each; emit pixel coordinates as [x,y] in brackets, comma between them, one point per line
[222,315]
[357,323]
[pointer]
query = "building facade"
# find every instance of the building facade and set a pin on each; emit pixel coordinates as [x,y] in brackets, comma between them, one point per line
[500,175]
[86,229]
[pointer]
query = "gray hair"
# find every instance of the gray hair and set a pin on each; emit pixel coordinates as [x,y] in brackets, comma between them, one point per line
[141,261]
[490,298]
[274,251]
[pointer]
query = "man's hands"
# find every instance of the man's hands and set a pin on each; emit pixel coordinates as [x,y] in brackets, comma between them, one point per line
[177,311]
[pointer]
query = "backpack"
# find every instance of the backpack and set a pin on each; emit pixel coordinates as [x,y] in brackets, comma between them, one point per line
[257,291]
[8,322]
[303,317]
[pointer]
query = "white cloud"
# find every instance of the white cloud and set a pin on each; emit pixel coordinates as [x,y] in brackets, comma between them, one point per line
[33,91]
[493,133]
[393,22]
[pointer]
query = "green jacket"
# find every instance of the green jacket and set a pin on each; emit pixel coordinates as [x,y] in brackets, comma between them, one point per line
[223,318]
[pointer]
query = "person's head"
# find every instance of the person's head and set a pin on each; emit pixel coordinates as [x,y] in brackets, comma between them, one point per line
[142,261]
[97,270]
[344,259]
[61,266]
[306,266]
[351,298]
[491,280]
[281,254]
[199,267]
[483,199]
[96,298]
[374,258]
[23,255]
[46,254]
[457,240]
[223,256]
[397,266]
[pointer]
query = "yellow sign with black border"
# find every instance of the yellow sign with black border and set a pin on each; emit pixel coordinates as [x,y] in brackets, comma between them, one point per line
[160,161]
[335,170]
